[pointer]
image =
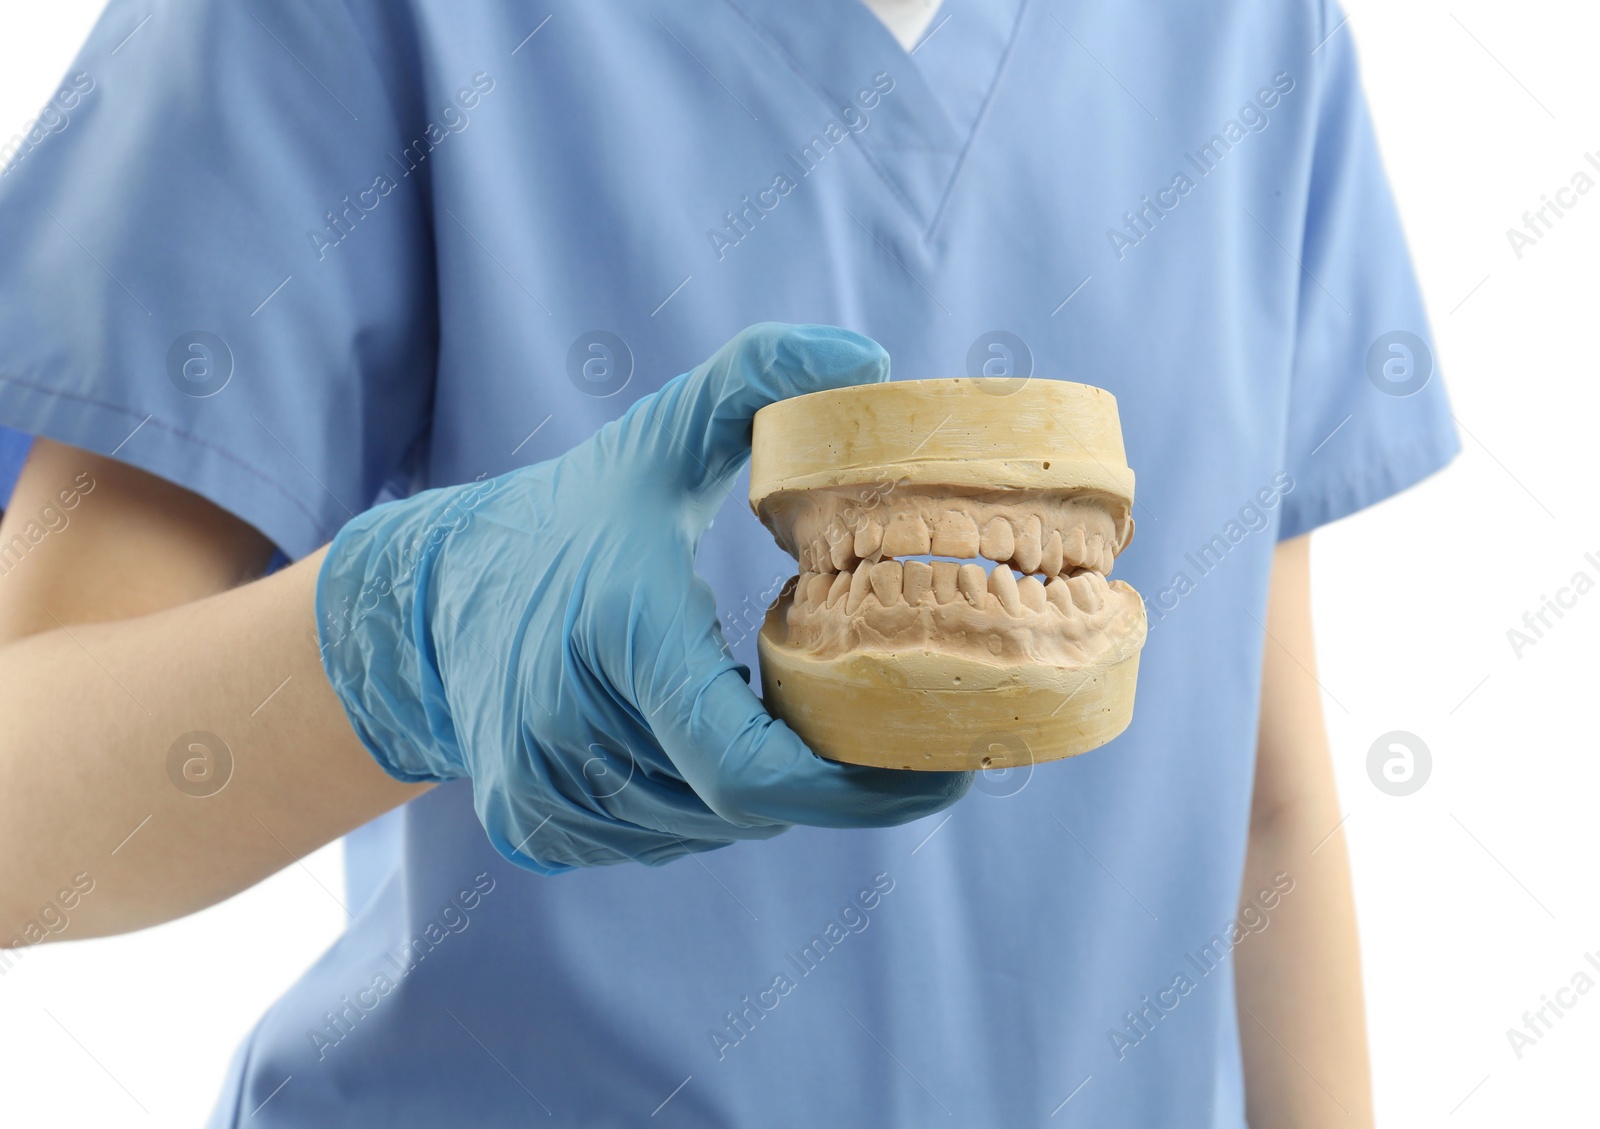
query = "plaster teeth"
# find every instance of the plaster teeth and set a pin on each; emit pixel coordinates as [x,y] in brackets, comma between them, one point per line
[955,534]
[869,537]
[860,573]
[1096,553]
[1084,593]
[860,585]
[840,545]
[918,581]
[906,536]
[1030,545]
[1004,587]
[997,543]
[1074,548]
[1050,555]
[972,583]
[887,582]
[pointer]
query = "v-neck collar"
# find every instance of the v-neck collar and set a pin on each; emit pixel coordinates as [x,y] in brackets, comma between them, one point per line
[918,132]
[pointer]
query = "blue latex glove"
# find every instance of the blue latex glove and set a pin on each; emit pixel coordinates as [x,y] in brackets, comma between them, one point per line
[545,633]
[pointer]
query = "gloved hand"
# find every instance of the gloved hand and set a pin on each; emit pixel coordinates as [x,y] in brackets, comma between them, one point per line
[545,633]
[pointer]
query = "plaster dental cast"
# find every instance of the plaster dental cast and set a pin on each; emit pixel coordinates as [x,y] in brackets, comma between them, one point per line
[878,657]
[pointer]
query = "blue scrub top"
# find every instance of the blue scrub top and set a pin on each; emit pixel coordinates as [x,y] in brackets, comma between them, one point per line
[291,255]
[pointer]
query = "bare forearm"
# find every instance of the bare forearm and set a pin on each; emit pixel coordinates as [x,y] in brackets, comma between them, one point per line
[1301,1017]
[90,782]
[1302,1022]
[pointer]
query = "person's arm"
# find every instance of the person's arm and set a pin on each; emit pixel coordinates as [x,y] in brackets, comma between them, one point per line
[1302,1019]
[496,630]
[121,631]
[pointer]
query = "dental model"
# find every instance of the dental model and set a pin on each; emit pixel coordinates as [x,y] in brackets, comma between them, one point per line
[895,646]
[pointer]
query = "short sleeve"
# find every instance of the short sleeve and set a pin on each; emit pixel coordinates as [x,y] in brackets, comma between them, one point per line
[14,448]
[216,266]
[1368,414]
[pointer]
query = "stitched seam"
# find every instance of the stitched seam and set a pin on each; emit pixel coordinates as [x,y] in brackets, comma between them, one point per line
[176,431]
[1367,486]
[977,125]
[826,100]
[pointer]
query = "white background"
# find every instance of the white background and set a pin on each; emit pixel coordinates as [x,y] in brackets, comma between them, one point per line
[1475,893]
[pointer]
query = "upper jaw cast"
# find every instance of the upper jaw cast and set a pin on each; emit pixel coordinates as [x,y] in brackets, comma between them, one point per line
[1032,531]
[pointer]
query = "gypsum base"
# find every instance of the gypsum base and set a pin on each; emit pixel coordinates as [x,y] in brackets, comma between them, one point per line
[935,712]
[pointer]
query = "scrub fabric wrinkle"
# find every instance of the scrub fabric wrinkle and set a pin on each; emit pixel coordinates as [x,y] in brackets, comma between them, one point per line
[433,243]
